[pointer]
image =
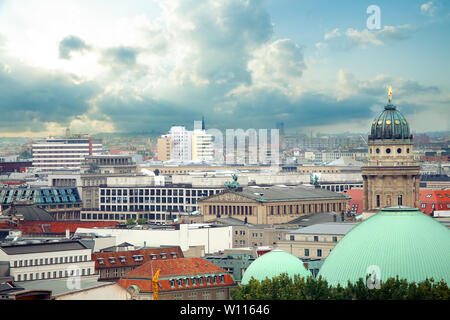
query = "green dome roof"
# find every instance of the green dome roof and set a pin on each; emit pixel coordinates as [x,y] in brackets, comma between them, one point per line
[274,263]
[390,124]
[399,241]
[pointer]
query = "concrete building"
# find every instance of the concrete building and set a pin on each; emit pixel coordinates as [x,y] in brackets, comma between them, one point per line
[36,260]
[138,198]
[182,143]
[315,241]
[165,148]
[59,153]
[271,205]
[202,146]
[186,236]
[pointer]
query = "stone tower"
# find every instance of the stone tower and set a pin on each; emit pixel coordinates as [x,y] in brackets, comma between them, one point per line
[391,177]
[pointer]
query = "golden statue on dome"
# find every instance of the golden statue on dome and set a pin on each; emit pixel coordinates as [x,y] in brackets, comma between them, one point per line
[389,89]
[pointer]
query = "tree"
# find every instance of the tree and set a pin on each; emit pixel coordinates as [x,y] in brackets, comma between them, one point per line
[130,222]
[284,287]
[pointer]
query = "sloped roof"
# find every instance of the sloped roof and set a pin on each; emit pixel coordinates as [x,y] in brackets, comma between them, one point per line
[127,258]
[173,269]
[29,213]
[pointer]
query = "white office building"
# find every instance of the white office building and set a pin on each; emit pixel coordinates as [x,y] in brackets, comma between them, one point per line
[47,260]
[182,143]
[66,153]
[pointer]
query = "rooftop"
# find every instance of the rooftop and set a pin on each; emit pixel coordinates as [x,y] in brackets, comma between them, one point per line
[337,228]
[14,249]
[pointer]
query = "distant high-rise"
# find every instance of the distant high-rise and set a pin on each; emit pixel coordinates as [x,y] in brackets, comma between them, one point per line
[182,143]
[64,153]
[165,148]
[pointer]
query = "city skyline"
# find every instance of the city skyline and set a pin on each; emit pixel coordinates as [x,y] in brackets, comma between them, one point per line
[144,66]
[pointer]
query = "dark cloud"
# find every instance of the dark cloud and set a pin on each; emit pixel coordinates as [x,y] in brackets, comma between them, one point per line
[30,97]
[122,56]
[71,44]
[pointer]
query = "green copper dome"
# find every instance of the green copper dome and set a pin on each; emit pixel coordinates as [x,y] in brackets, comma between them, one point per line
[274,263]
[398,241]
[390,124]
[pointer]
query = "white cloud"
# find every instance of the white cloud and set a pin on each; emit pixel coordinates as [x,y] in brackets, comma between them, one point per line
[428,8]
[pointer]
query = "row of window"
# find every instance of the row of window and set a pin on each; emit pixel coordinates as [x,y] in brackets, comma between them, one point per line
[154,191]
[123,216]
[315,238]
[52,275]
[196,281]
[318,253]
[125,199]
[47,261]
[298,209]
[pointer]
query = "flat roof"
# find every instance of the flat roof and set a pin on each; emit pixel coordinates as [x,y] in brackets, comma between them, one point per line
[60,287]
[14,249]
[277,193]
[337,228]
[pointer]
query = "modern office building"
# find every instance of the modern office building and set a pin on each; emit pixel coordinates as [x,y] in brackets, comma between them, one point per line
[63,153]
[182,143]
[153,203]
[36,260]
[165,148]
[202,146]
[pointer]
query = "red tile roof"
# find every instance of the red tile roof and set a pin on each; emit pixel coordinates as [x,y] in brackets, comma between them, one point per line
[434,200]
[176,269]
[60,227]
[356,201]
[131,258]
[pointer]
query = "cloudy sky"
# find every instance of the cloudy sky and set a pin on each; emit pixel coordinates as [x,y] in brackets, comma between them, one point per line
[143,65]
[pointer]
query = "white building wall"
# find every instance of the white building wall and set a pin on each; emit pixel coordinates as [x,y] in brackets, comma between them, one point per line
[108,292]
[213,239]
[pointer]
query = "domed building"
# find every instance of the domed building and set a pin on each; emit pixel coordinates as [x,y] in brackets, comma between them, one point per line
[396,241]
[274,263]
[391,176]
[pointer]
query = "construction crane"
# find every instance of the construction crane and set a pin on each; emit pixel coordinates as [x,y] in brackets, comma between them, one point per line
[155,284]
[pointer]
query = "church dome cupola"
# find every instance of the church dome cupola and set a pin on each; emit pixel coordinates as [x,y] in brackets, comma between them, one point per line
[390,124]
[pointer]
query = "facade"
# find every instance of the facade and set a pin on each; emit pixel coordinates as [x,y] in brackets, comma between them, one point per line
[16,166]
[182,143]
[110,266]
[202,146]
[391,176]
[210,238]
[154,203]
[47,260]
[271,205]
[316,241]
[55,154]
[164,148]
[234,263]
[179,279]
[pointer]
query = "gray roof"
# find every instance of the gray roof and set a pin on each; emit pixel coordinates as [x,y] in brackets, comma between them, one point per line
[280,193]
[337,228]
[42,247]
[59,286]
[29,212]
